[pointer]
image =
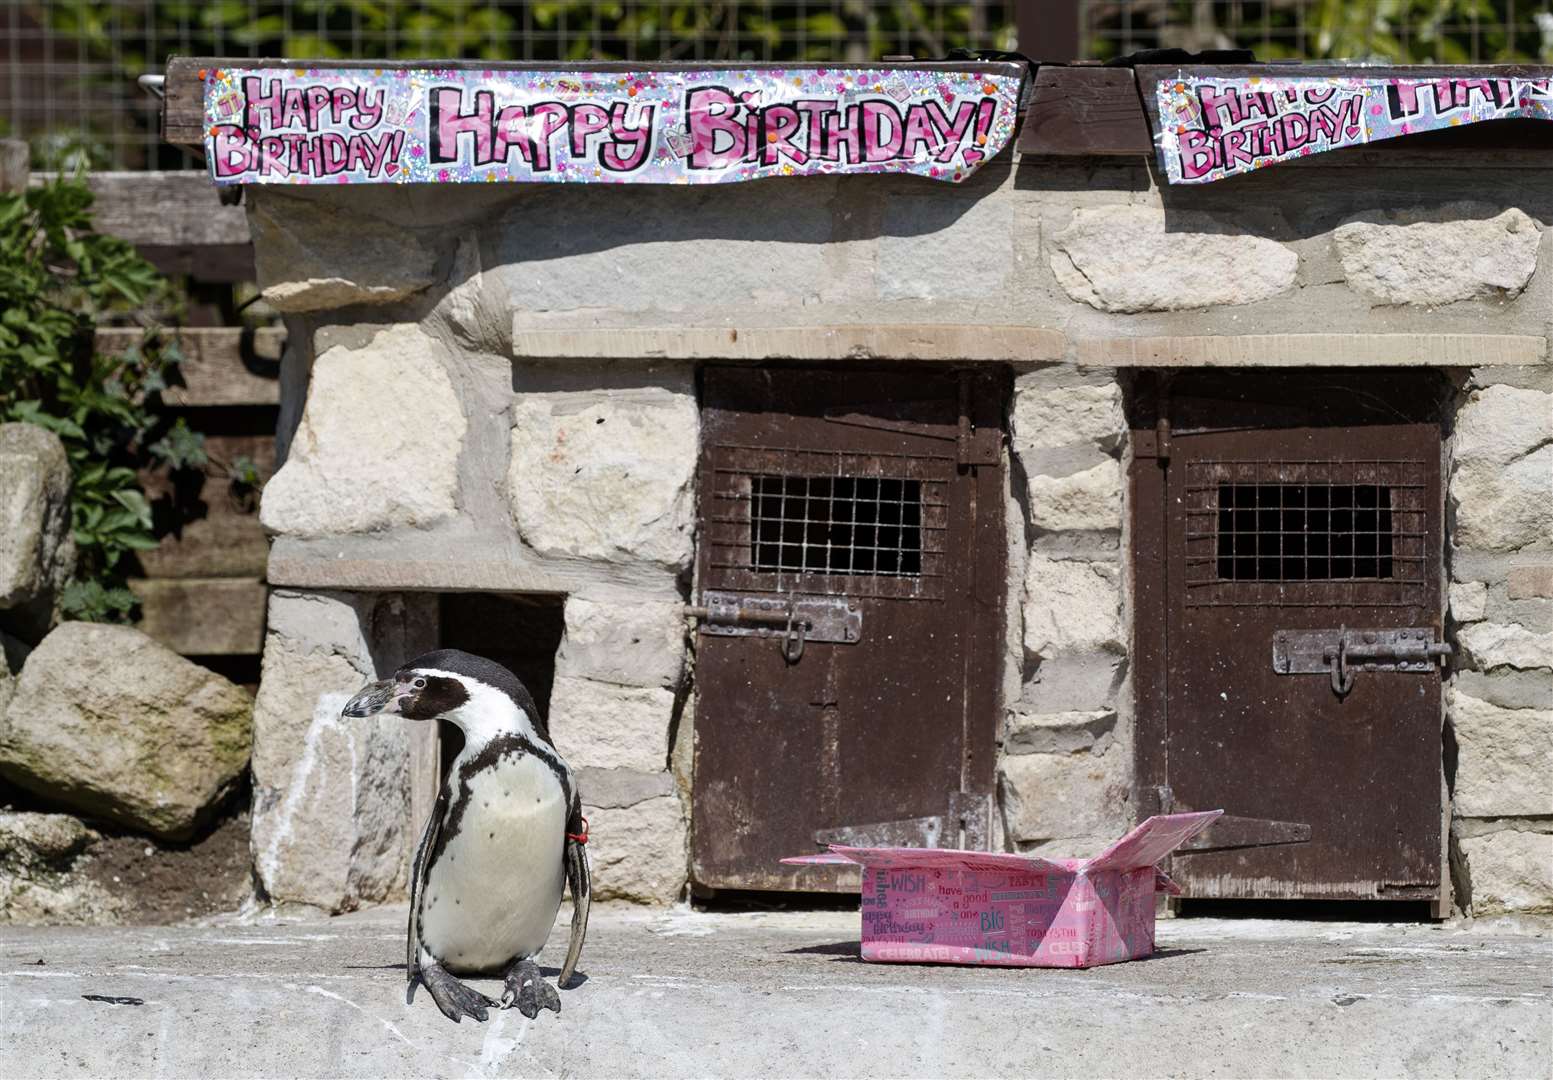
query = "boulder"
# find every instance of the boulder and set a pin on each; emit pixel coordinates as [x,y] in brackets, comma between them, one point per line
[1394,257]
[623,641]
[108,722]
[1071,605]
[637,853]
[606,726]
[1090,500]
[1130,259]
[378,444]
[1511,871]
[1504,765]
[37,550]
[606,475]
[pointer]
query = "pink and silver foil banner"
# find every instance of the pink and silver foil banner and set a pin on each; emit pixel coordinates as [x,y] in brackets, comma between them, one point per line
[425,125]
[1212,128]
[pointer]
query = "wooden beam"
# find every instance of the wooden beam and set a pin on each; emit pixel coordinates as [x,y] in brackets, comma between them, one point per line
[1049,30]
[1084,111]
[165,209]
[203,616]
[226,365]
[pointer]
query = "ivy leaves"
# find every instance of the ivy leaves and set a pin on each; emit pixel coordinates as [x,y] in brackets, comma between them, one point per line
[58,281]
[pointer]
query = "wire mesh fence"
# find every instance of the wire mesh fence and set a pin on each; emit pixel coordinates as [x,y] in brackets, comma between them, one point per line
[68,82]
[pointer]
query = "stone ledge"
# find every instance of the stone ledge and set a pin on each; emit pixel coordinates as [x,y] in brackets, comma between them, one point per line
[615,789]
[865,342]
[1316,350]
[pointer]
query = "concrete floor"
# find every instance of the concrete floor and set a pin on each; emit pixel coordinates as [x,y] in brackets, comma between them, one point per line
[679,993]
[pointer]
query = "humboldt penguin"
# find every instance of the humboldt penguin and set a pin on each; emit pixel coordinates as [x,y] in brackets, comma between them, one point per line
[505,836]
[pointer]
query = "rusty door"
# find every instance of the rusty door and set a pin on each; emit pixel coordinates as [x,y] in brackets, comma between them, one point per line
[1288,535]
[851,570]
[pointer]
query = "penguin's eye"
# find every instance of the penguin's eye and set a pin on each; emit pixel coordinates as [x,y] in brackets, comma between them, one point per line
[419,684]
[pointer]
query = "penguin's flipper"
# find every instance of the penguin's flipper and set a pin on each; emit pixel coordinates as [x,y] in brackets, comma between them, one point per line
[418,872]
[581,883]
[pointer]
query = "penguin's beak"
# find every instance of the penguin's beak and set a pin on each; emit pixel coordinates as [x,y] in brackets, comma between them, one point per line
[373,699]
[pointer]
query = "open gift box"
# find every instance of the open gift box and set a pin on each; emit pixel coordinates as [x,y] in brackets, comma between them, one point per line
[932,905]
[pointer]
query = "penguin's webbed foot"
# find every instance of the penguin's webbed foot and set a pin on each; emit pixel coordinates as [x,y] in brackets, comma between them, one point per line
[454,998]
[528,990]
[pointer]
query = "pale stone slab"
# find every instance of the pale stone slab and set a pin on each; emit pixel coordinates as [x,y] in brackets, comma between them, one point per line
[1530,582]
[1315,350]
[1058,796]
[637,853]
[1501,486]
[618,640]
[605,475]
[1127,259]
[378,444]
[1046,417]
[1505,762]
[110,723]
[1071,605]
[1468,600]
[1511,871]
[603,726]
[620,788]
[1395,257]
[1506,645]
[1088,500]
[868,341]
[1056,733]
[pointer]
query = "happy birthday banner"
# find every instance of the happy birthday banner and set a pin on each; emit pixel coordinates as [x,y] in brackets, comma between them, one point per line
[1211,128]
[375,126]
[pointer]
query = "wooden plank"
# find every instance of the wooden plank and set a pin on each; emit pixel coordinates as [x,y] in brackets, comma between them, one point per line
[867,341]
[226,365]
[1049,30]
[1082,111]
[167,209]
[13,165]
[218,534]
[183,106]
[203,616]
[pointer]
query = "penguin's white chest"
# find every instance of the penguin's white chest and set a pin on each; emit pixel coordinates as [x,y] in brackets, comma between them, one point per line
[492,894]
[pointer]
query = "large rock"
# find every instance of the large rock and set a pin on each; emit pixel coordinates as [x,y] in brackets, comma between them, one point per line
[1080,798]
[606,726]
[309,256]
[378,444]
[1129,259]
[37,551]
[1492,645]
[331,795]
[1046,417]
[1510,871]
[605,475]
[108,722]
[1071,605]
[1088,500]
[1504,765]
[1501,487]
[623,641]
[1395,257]
[637,853]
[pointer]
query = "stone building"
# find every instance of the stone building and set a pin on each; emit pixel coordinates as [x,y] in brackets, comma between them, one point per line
[516,419]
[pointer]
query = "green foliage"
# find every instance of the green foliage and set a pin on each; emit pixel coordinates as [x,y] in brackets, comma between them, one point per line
[59,280]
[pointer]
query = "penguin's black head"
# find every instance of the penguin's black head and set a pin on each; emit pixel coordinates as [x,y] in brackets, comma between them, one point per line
[436,684]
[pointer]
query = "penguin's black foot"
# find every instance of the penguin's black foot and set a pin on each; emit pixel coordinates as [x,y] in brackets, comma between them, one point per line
[454,998]
[527,989]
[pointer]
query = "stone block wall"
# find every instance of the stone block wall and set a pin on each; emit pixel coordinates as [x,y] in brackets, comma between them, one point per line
[1499,705]
[430,446]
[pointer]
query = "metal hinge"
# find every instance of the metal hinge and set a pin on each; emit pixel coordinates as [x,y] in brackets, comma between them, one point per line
[1341,652]
[967,825]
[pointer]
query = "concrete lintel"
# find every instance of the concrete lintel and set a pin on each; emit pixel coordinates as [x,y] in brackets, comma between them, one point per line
[1316,350]
[922,341]
[416,562]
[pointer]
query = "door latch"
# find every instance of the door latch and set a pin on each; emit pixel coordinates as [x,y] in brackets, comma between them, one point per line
[794,620]
[1340,653]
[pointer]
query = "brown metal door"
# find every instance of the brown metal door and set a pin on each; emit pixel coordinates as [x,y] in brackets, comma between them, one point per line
[1294,505]
[869,496]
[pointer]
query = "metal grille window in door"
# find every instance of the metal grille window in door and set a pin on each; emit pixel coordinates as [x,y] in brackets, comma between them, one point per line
[1305,533]
[828,522]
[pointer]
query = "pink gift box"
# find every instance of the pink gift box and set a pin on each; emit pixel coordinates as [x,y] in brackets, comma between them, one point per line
[936,906]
